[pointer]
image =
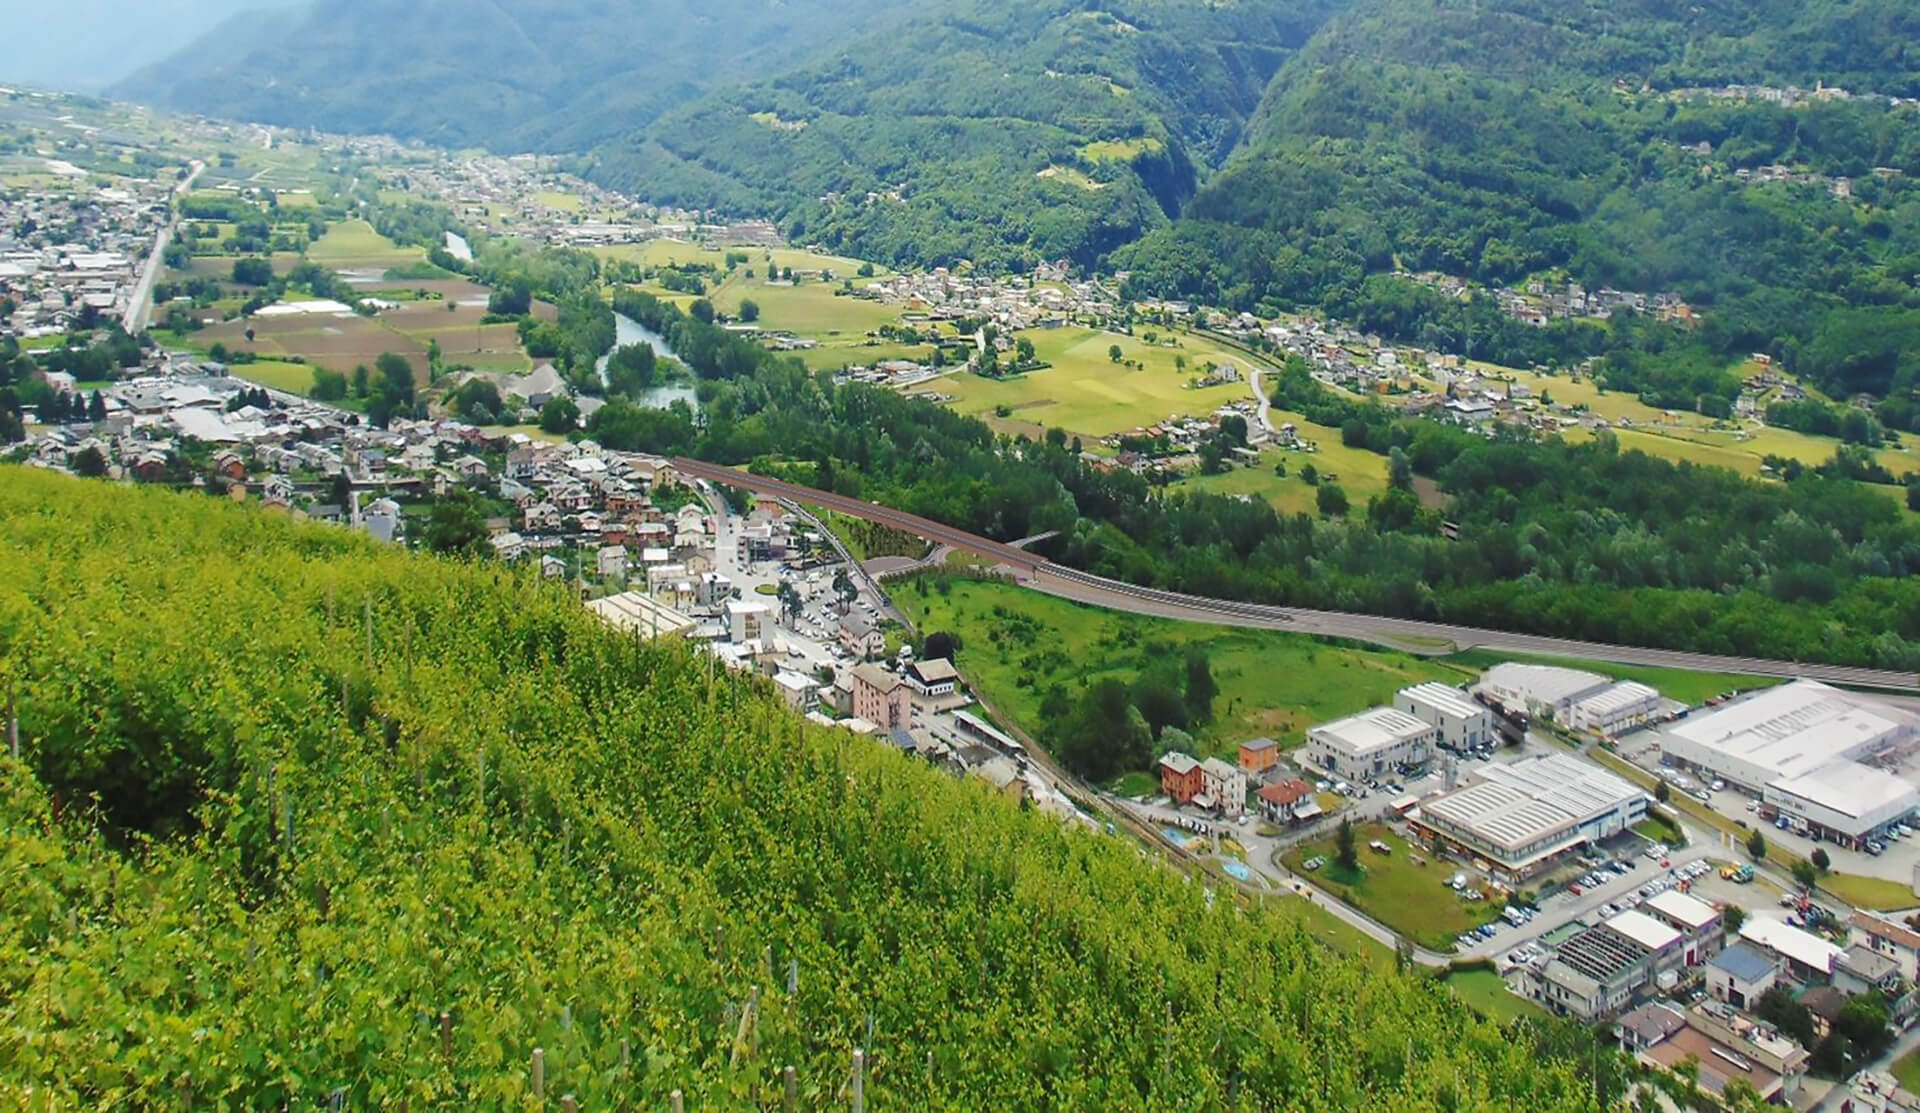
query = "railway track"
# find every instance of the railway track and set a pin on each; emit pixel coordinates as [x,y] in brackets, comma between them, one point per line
[1398,633]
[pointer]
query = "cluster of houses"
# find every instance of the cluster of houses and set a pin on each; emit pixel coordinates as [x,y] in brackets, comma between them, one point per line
[71,253]
[1046,298]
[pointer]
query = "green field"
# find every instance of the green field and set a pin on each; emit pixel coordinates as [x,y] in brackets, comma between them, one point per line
[1361,474]
[294,378]
[1087,394]
[558,201]
[660,253]
[1411,899]
[354,243]
[1017,643]
[1487,993]
[808,309]
[1691,688]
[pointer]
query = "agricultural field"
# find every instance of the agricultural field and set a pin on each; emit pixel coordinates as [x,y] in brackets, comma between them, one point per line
[337,343]
[559,202]
[1017,643]
[1086,393]
[293,378]
[354,244]
[809,309]
[1411,898]
[1361,474]
[660,253]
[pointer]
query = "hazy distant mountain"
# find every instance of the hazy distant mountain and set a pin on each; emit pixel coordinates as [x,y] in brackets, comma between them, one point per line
[85,45]
[535,74]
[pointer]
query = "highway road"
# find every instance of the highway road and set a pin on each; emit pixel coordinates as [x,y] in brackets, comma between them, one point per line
[1410,635]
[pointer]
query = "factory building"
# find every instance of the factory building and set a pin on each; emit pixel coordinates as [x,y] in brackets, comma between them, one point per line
[1463,722]
[1371,744]
[1522,818]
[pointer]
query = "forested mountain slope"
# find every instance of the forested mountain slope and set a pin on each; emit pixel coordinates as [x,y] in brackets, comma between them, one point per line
[1501,139]
[994,131]
[533,75]
[300,816]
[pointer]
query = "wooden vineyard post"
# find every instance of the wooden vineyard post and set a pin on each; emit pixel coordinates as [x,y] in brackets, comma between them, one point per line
[790,1091]
[859,1081]
[446,1038]
[568,1105]
[676,1103]
[539,1074]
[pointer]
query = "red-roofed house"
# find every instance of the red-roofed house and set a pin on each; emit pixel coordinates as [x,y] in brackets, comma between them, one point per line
[1283,802]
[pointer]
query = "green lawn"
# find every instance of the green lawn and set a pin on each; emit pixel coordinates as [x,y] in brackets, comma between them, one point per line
[810,309]
[659,253]
[1411,899]
[1907,1070]
[558,201]
[1361,474]
[1692,688]
[1876,893]
[1340,935]
[1017,643]
[1135,784]
[1086,393]
[1659,829]
[1486,993]
[354,243]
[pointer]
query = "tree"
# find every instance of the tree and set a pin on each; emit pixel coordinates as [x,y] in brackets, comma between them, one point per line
[328,386]
[515,299]
[360,381]
[1114,353]
[1757,846]
[478,402]
[1309,475]
[396,384]
[1104,733]
[791,604]
[1346,848]
[560,415]
[88,462]
[749,310]
[701,310]
[1023,352]
[252,272]
[1806,873]
[1201,687]
[1662,792]
[940,646]
[843,586]
[1332,500]
[1399,469]
[96,408]
[1732,917]
[1156,692]
[456,526]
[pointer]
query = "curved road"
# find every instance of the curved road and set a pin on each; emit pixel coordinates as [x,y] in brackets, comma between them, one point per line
[1397,633]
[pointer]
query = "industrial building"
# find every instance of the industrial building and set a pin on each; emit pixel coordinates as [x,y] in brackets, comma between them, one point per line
[1540,690]
[1602,969]
[1521,818]
[1802,748]
[1463,722]
[1806,954]
[1372,743]
[636,612]
[1615,709]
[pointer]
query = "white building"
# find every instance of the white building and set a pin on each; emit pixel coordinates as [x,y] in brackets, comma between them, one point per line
[1615,709]
[1462,721]
[1804,952]
[1543,691]
[637,612]
[800,692]
[1801,747]
[746,619]
[1226,783]
[1523,817]
[1371,743]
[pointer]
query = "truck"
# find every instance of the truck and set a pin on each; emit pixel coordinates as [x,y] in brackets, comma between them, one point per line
[1739,875]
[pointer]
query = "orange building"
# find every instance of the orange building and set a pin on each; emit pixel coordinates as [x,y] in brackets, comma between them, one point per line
[1181,777]
[1259,755]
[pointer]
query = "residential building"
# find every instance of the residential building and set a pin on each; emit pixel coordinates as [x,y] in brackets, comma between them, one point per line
[882,697]
[1878,1092]
[1889,939]
[1721,1043]
[1372,743]
[1181,777]
[612,562]
[1288,802]
[747,620]
[1463,722]
[1259,755]
[1859,969]
[1807,956]
[801,692]
[861,636]
[933,679]
[1740,974]
[1697,922]
[1226,784]
[1524,817]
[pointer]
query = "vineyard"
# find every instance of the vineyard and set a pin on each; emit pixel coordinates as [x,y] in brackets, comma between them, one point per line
[301,821]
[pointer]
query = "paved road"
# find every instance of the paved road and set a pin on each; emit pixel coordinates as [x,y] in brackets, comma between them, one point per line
[1399,633]
[140,304]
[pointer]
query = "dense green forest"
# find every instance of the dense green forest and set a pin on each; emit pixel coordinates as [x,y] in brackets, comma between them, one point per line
[1503,140]
[993,131]
[1581,540]
[299,820]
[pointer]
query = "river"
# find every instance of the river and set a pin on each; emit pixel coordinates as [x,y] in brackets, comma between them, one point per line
[626,331]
